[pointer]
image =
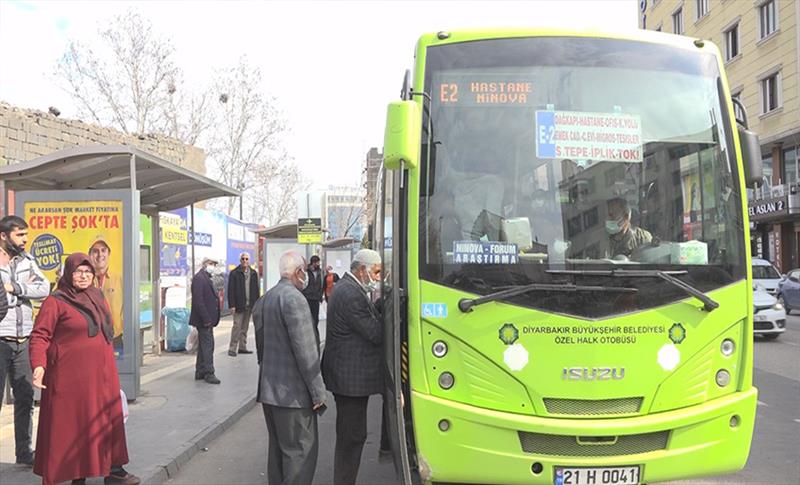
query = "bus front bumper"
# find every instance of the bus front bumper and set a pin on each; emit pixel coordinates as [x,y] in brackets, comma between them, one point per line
[485,446]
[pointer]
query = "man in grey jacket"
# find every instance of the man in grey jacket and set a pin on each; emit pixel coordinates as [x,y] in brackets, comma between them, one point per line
[23,281]
[290,386]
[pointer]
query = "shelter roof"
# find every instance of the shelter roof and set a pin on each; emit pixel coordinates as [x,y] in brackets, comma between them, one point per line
[163,185]
[287,230]
[338,243]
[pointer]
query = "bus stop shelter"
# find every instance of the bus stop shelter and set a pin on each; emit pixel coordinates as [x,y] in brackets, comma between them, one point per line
[338,254]
[75,198]
[277,240]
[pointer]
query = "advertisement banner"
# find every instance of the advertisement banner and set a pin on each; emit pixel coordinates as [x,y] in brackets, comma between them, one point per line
[58,229]
[174,237]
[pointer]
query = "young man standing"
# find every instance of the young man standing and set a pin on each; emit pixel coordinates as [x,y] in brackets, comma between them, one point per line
[23,281]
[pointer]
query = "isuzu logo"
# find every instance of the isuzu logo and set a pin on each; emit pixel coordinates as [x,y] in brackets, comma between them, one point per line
[592,373]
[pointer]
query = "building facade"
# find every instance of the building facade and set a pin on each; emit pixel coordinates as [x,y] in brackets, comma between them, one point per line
[760,44]
[372,166]
[344,214]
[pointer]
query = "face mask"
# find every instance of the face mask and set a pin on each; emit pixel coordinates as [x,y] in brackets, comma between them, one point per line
[305,281]
[613,227]
[210,269]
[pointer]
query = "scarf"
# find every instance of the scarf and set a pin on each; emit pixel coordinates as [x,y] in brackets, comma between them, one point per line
[89,302]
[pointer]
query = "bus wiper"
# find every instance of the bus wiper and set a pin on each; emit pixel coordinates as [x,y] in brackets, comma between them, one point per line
[466,304]
[668,276]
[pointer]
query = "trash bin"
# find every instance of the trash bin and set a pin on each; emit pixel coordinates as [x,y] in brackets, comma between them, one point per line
[177,328]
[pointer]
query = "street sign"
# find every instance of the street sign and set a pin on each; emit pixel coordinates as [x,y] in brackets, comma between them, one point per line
[309,230]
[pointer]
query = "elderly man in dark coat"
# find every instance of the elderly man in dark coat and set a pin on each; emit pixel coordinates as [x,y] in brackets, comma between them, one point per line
[290,386]
[352,364]
[205,316]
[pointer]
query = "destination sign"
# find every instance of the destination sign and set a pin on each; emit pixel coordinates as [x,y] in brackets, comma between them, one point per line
[483,90]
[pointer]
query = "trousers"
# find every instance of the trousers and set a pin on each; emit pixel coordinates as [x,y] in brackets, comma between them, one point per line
[205,352]
[351,433]
[293,445]
[16,364]
[241,322]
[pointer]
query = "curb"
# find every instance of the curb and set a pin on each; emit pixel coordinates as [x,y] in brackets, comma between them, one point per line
[161,473]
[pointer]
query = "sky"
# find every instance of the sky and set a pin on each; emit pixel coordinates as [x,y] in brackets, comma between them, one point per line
[332,66]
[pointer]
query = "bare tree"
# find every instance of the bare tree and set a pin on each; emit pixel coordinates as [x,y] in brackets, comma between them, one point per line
[124,79]
[248,140]
[128,79]
[273,200]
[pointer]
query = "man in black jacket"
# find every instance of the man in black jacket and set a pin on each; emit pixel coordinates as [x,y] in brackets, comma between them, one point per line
[313,292]
[205,316]
[243,291]
[352,365]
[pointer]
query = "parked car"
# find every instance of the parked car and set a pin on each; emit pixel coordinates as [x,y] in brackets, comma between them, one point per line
[769,316]
[789,291]
[767,276]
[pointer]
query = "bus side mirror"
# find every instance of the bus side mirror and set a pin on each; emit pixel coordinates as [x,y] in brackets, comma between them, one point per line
[401,141]
[751,156]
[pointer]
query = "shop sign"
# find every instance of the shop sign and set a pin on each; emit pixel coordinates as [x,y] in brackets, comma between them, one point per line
[765,209]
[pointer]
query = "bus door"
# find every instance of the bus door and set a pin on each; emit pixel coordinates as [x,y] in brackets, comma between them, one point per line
[389,225]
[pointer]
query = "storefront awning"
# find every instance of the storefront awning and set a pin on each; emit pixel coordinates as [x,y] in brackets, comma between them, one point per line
[163,185]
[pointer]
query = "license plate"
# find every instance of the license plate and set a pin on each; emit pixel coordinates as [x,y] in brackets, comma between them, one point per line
[759,318]
[597,475]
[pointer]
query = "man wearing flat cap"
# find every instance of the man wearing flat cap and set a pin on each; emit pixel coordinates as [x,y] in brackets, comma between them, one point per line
[205,316]
[352,365]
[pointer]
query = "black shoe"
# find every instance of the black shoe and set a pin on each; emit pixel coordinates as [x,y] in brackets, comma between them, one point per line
[124,478]
[211,379]
[245,351]
[198,378]
[25,460]
[231,353]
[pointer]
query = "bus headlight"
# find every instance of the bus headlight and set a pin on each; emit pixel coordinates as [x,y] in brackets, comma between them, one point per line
[446,380]
[727,347]
[723,378]
[439,349]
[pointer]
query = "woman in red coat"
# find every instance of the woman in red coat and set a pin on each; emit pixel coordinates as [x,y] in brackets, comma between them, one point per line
[81,432]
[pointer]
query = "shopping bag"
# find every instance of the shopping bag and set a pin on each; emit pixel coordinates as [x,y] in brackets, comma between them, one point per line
[191,340]
[124,399]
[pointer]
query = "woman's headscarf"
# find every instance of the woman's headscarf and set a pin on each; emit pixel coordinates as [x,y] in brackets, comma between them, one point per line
[89,302]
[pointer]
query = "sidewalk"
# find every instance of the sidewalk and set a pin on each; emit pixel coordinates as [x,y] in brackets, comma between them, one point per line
[173,418]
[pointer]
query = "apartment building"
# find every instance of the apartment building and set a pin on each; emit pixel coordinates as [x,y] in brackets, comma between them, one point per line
[760,44]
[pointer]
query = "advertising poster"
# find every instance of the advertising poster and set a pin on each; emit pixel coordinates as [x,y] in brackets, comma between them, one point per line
[173,241]
[240,240]
[58,229]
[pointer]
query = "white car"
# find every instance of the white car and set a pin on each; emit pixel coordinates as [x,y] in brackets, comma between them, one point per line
[769,316]
[766,276]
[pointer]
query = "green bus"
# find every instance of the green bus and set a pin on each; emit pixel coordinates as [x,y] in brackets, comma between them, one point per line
[567,294]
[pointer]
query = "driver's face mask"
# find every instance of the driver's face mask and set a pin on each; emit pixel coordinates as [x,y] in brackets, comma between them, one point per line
[614,226]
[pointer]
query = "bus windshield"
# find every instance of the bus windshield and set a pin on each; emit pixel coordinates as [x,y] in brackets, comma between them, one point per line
[549,154]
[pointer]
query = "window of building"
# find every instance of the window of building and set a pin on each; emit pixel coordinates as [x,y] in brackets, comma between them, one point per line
[766,163]
[770,93]
[702,8]
[737,111]
[790,162]
[732,42]
[677,21]
[767,18]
